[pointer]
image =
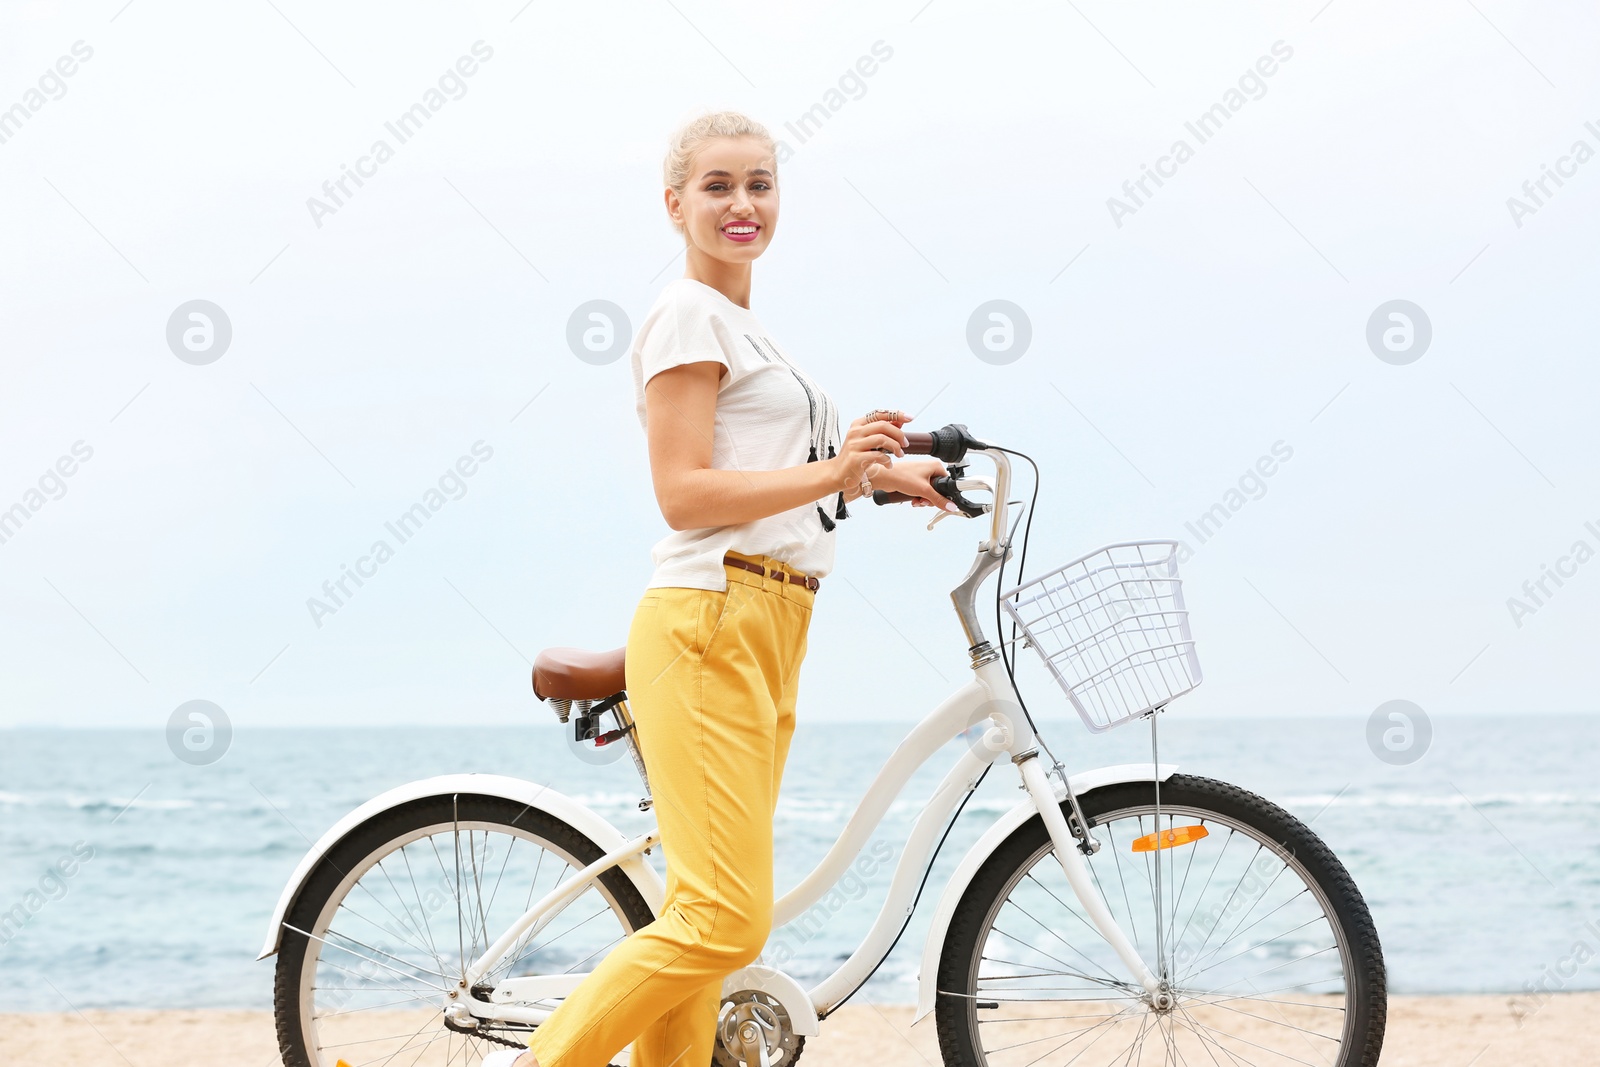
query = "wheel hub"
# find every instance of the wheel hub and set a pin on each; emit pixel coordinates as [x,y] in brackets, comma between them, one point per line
[1164,1000]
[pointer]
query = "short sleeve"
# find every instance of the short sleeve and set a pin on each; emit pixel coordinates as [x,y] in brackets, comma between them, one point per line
[686,328]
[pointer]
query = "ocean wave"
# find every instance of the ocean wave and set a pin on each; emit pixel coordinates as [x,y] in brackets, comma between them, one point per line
[76,802]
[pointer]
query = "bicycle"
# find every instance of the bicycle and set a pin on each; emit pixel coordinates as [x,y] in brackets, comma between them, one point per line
[1125,914]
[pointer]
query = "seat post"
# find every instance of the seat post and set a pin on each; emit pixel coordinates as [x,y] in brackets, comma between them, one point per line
[630,737]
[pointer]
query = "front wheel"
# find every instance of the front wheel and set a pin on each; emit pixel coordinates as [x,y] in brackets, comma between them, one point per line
[1267,951]
[383,930]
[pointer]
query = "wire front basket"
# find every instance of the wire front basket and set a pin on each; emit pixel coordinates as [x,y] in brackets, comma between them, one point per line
[1113,629]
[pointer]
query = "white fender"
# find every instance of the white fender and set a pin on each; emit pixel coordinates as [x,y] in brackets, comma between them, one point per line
[1082,783]
[569,811]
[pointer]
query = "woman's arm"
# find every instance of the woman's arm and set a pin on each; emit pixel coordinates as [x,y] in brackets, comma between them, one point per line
[680,409]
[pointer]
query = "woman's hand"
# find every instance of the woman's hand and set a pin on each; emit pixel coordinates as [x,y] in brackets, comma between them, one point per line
[866,449]
[913,477]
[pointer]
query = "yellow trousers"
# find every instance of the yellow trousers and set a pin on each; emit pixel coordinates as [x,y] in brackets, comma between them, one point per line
[712,679]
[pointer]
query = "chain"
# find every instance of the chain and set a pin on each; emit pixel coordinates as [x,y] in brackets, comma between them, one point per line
[479,1032]
[487,1036]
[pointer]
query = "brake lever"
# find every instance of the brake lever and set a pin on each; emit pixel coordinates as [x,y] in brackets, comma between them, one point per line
[948,486]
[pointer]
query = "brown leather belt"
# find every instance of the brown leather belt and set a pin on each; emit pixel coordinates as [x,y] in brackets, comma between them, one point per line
[797,579]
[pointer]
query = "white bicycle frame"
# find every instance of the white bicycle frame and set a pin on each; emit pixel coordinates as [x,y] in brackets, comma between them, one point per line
[988,698]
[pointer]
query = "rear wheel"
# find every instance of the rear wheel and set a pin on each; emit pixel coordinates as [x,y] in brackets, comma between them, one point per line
[386,923]
[1267,947]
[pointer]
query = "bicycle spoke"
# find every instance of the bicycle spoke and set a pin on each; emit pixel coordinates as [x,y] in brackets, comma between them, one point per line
[1177,898]
[1103,1029]
[1252,996]
[1045,1018]
[1043,926]
[1133,928]
[1069,970]
[1194,1028]
[455,894]
[1078,1035]
[365,981]
[477,884]
[1287,963]
[422,927]
[357,955]
[603,911]
[1253,904]
[356,941]
[1321,1053]
[413,999]
[1087,925]
[1224,944]
[1274,1022]
[1200,896]
[500,877]
[373,1040]
[1195,974]
[422,910]
[1014,963]
[1223,909]
[1252,1044]
[1146,1023]
[379,926]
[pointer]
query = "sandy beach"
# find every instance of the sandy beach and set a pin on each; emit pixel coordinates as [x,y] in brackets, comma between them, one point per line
[1481,1031]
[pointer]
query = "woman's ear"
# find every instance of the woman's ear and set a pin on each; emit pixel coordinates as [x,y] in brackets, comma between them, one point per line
[674,207]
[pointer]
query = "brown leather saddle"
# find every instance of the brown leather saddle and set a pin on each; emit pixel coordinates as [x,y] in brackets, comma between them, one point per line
[577,674]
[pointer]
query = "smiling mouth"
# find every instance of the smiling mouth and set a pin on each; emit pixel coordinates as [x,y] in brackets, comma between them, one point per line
[741,231]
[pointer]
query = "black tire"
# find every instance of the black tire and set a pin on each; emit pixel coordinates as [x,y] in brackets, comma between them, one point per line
[359,854]
[973,1034]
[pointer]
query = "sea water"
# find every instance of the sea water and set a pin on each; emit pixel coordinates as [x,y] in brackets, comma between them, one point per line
[1480,861]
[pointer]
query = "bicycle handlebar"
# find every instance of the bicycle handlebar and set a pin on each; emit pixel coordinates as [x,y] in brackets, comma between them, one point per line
[949,444]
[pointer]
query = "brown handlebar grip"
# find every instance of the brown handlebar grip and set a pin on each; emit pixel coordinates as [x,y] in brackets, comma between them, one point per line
[890,496]
[918,444]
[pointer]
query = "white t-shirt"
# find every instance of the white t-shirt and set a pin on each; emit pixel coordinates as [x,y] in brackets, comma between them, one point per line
[769,415]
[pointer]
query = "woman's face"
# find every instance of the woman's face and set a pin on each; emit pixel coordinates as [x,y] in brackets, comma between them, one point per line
[729,206]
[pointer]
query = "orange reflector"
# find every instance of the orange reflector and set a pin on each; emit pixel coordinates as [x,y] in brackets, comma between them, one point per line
[1178,835]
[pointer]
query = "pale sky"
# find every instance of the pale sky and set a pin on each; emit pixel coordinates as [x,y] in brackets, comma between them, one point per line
[1176,339]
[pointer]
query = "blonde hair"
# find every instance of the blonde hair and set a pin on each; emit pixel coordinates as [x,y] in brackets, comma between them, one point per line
[693,135]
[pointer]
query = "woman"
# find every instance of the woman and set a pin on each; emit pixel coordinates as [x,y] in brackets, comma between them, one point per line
[751,476]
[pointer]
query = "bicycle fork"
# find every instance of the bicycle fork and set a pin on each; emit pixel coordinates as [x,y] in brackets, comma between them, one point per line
[1073,865]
